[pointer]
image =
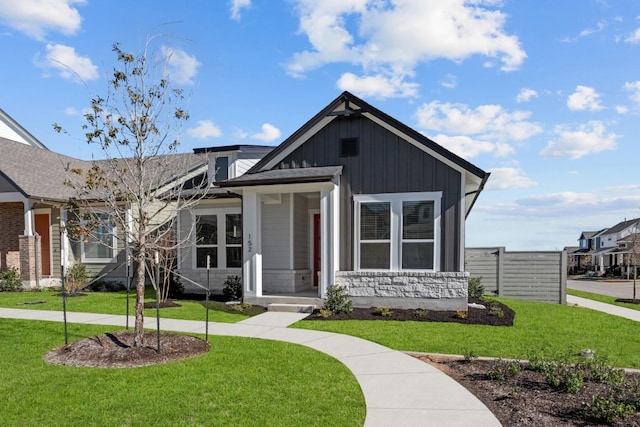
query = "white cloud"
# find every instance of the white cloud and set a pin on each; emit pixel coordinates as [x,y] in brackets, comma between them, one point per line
[68,64]
[508,179]
[237,6]
[377,86]
[269,133]
[37,17]
[584,98]
[467,147]
[374,34]
[621,109]
[525,95]
[449,81]
[180,66]
[205,129]
[634,89]
[489,121]
[634,37]
[587,139]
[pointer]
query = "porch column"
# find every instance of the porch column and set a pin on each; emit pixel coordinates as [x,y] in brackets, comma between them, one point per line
[252,245]
[28,219]
[330,237]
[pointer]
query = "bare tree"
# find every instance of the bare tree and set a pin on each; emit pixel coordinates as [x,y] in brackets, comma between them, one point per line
[142,182]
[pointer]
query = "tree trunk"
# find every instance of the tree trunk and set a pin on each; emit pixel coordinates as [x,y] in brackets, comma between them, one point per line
[138,331]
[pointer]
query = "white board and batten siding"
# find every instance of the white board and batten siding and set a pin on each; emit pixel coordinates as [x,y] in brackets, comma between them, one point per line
[534,276]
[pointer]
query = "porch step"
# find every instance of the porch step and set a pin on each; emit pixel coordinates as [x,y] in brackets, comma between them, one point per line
[291,308]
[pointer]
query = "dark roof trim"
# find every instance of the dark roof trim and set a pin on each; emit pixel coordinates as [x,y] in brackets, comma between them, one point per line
[285,176]
[223,148]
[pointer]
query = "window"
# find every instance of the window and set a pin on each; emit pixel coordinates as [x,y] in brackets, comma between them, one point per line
[99,244]
[222,169]
[218,234]
[397,231]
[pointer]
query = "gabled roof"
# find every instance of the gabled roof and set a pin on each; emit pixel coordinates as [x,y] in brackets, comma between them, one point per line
[589,234]
[11,129]
[348,104]
[621,226]
[40,174]
[36,173]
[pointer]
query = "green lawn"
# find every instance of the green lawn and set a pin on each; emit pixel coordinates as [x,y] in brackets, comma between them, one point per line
[116,303]
[549,328]
[240,382]
[602,298]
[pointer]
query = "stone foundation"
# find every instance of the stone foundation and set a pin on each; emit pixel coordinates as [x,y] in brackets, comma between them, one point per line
[405,289]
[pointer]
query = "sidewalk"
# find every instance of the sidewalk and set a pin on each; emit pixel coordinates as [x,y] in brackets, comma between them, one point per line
[627,313]
[398,389]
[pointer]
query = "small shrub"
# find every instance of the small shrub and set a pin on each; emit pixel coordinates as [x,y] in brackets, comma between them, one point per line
[421,312]
[76,278]
[475,289]
[338,300]
[461,314]
[606,409]
[470,355]
[503,369]
[240,308]
[106,286]
[383,311]
[232,290]
[10,280]
[496,310]
[561,375]
[325,312]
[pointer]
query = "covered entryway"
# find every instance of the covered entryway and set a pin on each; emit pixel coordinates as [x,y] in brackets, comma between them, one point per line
[42,226]
[290,231]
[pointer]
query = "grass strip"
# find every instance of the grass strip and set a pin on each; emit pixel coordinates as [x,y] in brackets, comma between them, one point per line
[538,328]
[603,298]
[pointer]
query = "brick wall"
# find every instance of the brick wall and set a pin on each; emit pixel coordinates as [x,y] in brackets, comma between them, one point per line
[11,226]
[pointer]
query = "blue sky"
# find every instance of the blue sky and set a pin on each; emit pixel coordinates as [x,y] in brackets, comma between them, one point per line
[543,94]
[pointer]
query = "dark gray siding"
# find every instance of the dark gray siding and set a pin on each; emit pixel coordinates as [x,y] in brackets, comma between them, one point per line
[385,164]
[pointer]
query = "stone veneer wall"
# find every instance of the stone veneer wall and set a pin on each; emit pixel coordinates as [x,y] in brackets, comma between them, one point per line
[406,289]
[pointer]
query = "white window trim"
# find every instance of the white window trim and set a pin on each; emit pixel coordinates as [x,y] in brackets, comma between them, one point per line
[396,200]
[113,247]
[221,216]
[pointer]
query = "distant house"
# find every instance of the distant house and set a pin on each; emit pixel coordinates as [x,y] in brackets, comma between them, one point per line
[353,197]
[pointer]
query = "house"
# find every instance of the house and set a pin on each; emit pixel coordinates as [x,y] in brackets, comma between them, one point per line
[610,251]
[34,208]
[353,197]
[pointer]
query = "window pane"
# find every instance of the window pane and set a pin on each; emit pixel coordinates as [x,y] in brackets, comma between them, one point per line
[375,255]
[417,220]
[234,257]
[206,230]
[234,229]
[375,221]
[201,257]
[418,256]
[99,241]
[222,169]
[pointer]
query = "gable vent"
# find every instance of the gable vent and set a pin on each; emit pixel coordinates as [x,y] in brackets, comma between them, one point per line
[349,147]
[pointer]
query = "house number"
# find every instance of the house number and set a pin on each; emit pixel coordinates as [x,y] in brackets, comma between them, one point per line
[249,245]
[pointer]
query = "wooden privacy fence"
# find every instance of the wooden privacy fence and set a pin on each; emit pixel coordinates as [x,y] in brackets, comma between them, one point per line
[534,276]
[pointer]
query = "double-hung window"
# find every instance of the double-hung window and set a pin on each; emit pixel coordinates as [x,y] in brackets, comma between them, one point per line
[397,231]
[98,244]
[218,236]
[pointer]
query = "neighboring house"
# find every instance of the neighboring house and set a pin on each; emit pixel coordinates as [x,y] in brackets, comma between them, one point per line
[580,259]
[353,197]
[34,209]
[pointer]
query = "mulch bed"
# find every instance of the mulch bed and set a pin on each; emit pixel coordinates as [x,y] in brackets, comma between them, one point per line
[115,350]
[495,314]
[525,400]
[628,300]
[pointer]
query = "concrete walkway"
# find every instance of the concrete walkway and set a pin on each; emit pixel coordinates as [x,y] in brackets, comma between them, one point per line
[398,389]
[627,313]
